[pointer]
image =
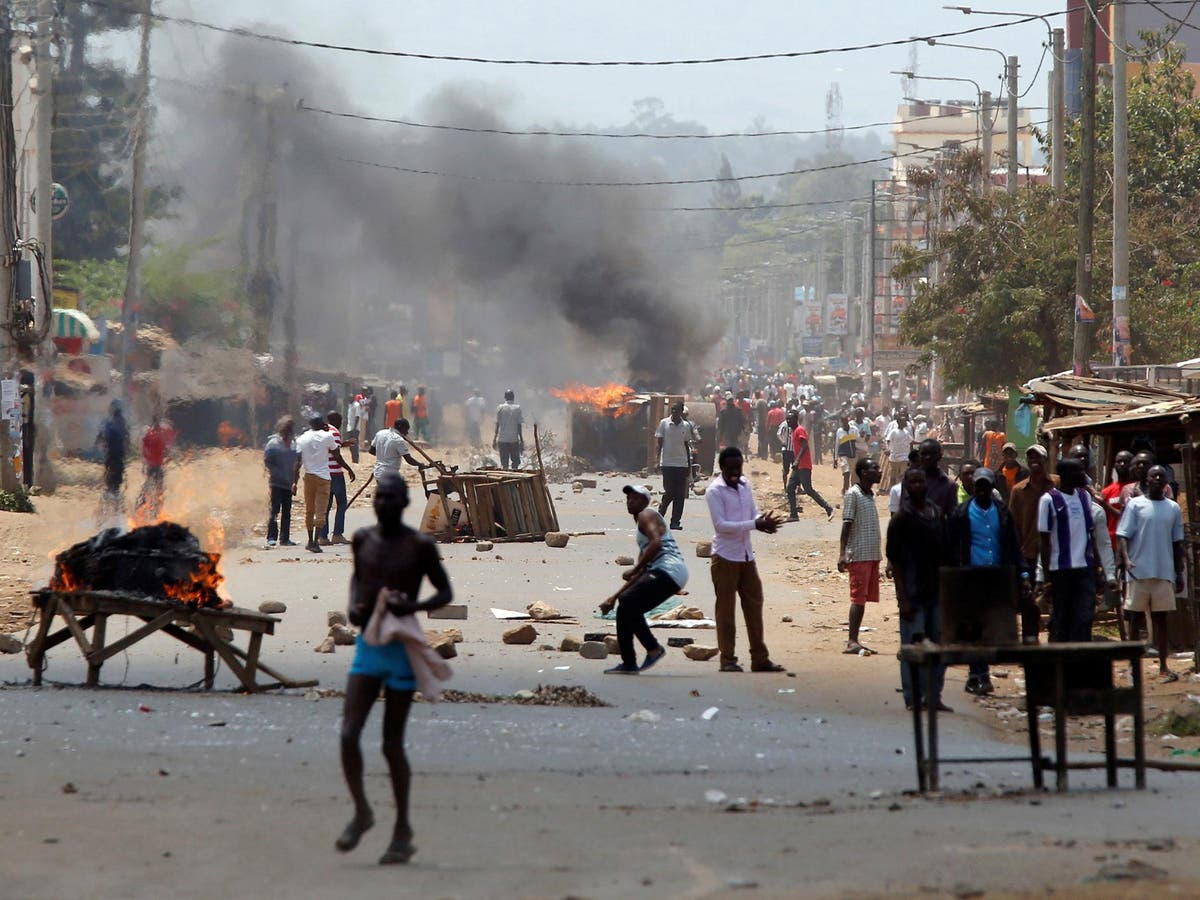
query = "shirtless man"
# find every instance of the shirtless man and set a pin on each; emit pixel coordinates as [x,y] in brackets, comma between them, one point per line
[390,561]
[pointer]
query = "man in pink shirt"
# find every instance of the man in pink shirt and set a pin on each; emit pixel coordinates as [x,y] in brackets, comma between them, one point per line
[734,573]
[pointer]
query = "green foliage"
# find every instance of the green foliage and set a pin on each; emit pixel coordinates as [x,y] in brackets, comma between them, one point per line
[1000,309]
[15,501]
[188,300]
[94,111]
[100,282]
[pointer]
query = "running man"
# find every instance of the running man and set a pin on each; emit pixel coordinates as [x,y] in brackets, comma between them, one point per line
[390,562]
[659,573]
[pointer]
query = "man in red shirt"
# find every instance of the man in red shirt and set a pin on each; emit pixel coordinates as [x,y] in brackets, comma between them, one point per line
[1123,467]
[775,417]
[802,476]
[420,410]
[156,442]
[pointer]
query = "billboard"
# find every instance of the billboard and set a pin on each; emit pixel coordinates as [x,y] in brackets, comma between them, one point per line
[838,313]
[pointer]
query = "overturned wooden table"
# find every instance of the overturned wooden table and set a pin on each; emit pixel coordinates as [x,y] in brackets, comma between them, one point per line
[1072,679]
[83,610]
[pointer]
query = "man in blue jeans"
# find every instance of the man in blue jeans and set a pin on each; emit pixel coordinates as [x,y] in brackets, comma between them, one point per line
[338,470]
[916,549]
[283,475]
[981,533]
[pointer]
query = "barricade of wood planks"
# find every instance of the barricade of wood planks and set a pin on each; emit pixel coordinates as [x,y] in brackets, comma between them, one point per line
[500,505]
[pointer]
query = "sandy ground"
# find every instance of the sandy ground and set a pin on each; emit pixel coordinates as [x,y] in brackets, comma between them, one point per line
[181,794]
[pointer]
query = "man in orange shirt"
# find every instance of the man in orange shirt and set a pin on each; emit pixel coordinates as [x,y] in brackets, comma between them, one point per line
[420,410]
[393,410]
[990,445]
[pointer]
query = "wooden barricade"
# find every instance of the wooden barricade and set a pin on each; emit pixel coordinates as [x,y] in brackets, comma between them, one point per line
[500,505]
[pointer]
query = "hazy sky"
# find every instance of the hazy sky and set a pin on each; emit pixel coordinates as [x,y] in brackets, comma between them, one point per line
[788,93]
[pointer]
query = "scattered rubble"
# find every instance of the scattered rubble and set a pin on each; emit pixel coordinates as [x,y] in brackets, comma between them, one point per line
[442,643]
[679,641]
[593,650]
[522,634]
[272,607]
[570,644]
[542,695]
[10,644]
[540,611]
[343,635]
[335,617]
[611,644]
[484,546]
[644,715]
[704,549]
[452,611]
[624,560]
[326,646]
[700,652]
[557,539]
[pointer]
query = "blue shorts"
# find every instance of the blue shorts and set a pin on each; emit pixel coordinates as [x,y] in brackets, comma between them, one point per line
[388,663]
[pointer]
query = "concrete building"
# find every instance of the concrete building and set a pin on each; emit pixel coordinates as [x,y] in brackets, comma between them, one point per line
[922,129]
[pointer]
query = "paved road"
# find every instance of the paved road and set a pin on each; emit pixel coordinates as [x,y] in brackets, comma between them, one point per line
[208,794]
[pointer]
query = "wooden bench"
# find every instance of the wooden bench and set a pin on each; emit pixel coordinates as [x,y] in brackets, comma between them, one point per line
[83,610]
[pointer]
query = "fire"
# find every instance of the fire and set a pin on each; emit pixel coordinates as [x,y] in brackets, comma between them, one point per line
[201,585]
[63,580]
[610,399]
[231,436]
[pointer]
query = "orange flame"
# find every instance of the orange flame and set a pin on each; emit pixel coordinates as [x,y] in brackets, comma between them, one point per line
[610,399]
[201,584]
[63,580]
[231,436]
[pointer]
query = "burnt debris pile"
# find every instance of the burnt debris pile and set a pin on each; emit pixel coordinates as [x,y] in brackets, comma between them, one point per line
[163,561]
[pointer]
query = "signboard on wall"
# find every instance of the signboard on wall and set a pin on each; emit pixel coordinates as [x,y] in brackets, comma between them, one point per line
[838,314]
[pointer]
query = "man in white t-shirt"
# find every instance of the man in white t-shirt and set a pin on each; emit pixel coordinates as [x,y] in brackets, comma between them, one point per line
[474,417]
[898,439]
[1150,536]
[674,439]
[1068,556]
[314,447]
[390,446]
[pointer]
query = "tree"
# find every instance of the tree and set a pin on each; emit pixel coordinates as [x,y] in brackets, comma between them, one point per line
[93,114]
[1000,309]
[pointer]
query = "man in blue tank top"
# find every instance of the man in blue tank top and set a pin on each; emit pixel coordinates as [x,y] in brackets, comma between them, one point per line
[659,573]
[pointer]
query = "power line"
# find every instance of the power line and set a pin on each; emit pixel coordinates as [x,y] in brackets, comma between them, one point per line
[845,200]
[302,106]
[408,54]
[661,183]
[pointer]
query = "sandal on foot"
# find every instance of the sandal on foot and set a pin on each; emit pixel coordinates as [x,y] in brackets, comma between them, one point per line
[353,833]
[397,854]
[1168,678]
[732,667]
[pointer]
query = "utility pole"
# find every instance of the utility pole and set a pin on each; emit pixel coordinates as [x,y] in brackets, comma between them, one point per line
[1084,316]
[1058,110]
[1012,124]
[869,297]
[847,280]
[8,201]
[43,132]
[137,201]
[1121,333]
[985,139]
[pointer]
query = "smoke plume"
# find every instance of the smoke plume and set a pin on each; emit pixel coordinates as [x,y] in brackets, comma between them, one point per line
[536,283]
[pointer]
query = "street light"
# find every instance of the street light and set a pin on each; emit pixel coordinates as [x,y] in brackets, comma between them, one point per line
[1058,86]
[983,121]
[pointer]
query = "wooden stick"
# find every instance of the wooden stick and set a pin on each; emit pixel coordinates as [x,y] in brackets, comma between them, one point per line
[370,478]
[537,445]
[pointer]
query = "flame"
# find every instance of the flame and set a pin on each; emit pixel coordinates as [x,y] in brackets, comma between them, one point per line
[610,399]
[201,584]
[63,580]
[231,436]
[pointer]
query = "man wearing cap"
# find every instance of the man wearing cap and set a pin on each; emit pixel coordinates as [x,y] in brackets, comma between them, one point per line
[734,572]
[1023,502]
[1011,472]
[981,533]
[673,440]
[658,574]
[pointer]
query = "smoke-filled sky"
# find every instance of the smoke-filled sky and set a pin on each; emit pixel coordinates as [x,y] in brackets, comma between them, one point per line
[568,282]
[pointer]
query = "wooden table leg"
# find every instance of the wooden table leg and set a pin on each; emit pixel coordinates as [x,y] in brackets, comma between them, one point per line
[1035,737]
[98,632]
[1060,727]
[36,655]
[1110,745]
[935,783]
[252,652]
[1139,729]
[914,672]
[209,668]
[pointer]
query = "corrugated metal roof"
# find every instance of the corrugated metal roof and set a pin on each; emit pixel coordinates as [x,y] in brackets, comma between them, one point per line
[1096,421]
[1096,394]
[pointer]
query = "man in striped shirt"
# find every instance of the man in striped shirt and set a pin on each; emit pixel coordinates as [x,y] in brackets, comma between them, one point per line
[338,470]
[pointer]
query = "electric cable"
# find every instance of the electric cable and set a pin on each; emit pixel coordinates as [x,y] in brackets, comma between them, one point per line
[408,54]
